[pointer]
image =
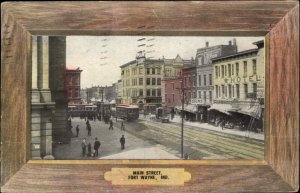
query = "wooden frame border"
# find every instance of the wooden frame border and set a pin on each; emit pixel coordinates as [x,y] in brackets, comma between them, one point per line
[277,20]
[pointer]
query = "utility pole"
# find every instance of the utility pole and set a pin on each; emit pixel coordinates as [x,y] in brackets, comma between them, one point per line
[182,118]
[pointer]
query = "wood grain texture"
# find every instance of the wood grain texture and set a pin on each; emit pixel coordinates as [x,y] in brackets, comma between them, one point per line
[19,20]
[90,178]
[15,97]
[157,17]
[284,98]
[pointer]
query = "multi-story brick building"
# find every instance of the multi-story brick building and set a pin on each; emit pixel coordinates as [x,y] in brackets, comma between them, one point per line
[237,78]
[204,75]
[171,82]
[72,84]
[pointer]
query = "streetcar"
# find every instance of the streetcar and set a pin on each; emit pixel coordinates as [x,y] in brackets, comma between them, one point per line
[82,110]
[127,112]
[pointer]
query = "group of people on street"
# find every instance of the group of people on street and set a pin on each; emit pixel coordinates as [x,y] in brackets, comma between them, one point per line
[91,149]
[88,147]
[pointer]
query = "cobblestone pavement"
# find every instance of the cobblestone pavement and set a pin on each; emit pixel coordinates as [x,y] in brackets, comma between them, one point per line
[110,140]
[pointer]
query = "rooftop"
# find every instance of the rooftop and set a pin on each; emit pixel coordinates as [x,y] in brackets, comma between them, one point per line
[235,55]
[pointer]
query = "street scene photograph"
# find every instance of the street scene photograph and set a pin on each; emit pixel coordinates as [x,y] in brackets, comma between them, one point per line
[147,97]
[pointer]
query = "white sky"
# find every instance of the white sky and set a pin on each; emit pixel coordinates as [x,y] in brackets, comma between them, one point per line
[100,56]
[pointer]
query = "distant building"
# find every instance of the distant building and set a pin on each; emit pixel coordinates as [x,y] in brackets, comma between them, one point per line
[189,75]
[72,84]
[239,88]
[142,80]
[204,90]
[100,93]
[171,82]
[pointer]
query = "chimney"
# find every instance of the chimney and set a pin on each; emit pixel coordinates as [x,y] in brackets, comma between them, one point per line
[234,41]
[230,43]
[207,44]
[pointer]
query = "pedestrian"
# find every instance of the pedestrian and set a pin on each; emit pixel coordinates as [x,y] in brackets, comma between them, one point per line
[83,147]
[223,124]
[122,141]
[122,126]
[89,149]
[111,125]
[89,128]
[77,130]
[96,147]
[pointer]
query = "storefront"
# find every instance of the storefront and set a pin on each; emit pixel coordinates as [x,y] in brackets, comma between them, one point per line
[219,113]
[190,112]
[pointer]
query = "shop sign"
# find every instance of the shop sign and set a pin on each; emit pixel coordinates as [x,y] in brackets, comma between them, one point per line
[196,101]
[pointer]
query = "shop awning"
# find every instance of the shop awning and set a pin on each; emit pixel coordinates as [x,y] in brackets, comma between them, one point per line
[253,111]
[189,108]
[223,108]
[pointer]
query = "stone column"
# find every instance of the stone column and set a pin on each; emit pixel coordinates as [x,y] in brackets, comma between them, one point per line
[43,85]
[43,70]
[35,95]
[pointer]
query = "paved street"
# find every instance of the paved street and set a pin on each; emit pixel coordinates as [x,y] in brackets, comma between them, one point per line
[198,143]
[110,141]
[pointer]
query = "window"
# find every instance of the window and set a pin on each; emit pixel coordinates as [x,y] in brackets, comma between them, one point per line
[254,66]
[173,97]
[190,81]
[237,86]
[210,79]
[254,87]
[216,69]
[222,71]
[237,68]
[232,91]
[141,70]
[246,90]
[229,70]
[153,81]
[204,96]
[141,80]
[210,96]
[199,94]
[223,91]
[217,91]
[172,85]
[148,70]
[204,79]
[199,77]
[158,81]
[153,92]
[158,70]
[153,70]
[158,92]
[141,92]
[232,69]
[148,92]
[225,70]
[245,68]
[229,91]
[148,81]
[194,80]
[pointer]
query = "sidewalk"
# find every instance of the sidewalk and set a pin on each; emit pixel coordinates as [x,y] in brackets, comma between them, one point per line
[250,134]
[143,153]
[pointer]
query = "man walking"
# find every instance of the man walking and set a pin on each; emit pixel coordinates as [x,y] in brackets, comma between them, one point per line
[111,125]
[122,141]
[83,147]
[96,147]
[122,126]
[77,130]
[89,128]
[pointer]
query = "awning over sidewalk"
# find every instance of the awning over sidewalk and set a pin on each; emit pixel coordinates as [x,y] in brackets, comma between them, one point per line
[254,111]
[189,108]
[223,108]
